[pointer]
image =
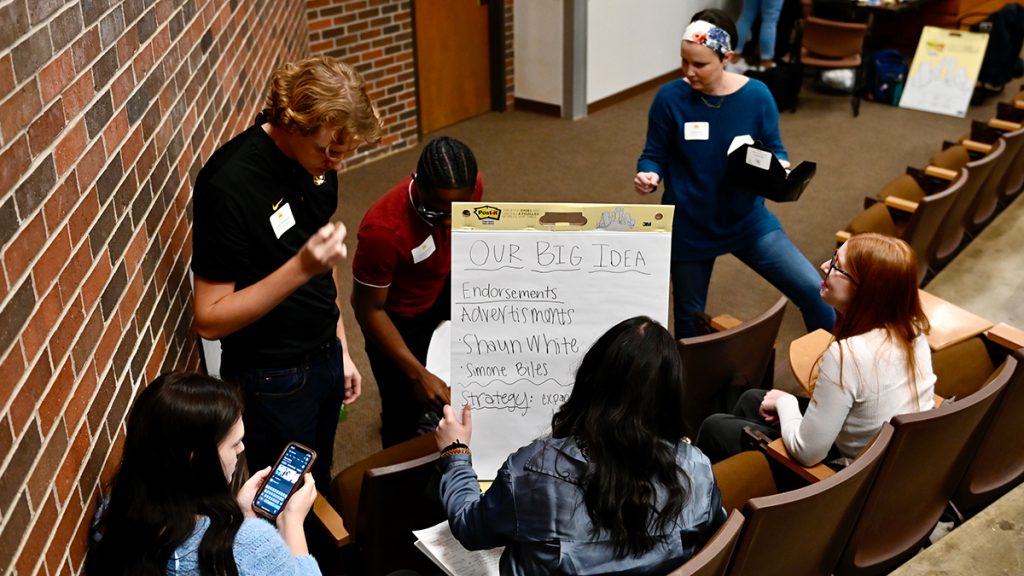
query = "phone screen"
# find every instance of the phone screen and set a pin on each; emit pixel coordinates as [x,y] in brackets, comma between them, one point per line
[283,479]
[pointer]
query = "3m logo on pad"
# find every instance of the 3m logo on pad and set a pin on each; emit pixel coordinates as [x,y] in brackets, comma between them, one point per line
[487,213]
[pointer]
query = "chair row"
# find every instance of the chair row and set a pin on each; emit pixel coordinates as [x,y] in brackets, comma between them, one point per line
[879,511]
[940,208]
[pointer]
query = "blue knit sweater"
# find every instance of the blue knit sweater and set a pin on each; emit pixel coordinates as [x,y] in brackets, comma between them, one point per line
[259,551]
[711,218]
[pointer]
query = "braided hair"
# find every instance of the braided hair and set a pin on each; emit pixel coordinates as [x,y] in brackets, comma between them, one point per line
[446,163]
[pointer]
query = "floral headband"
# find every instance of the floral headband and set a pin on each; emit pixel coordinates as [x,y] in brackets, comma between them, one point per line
[707,34]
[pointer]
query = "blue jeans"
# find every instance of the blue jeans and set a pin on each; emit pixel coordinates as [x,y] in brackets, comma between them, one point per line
[298,403]
[769,11]
[776,259]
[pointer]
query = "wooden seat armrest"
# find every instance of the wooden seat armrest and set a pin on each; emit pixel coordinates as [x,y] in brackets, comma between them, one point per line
[724,322]
[331,521]
[842,236]
[1018,104]
[1006,336]
[1005,125]
[900,204]
[944,173]
[976,146]
[776,450]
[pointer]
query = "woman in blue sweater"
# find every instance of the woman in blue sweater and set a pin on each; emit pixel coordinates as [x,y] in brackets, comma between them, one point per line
[171,509]
[692,123]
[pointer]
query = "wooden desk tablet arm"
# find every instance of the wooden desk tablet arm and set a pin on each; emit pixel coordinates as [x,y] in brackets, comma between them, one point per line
[331,521]
[900,204]
[945,173]
[776,450]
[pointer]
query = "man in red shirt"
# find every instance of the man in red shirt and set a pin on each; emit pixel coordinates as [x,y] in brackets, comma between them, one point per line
[402,271]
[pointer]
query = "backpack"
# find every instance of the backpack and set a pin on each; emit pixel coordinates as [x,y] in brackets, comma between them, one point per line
[887,71]
[783,81]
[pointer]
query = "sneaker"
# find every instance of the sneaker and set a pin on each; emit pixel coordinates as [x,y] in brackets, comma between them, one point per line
[740,67]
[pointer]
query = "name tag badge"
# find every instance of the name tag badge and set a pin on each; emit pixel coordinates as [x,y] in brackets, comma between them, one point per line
[759,158]
[282,220]
[423,251]
[696,130]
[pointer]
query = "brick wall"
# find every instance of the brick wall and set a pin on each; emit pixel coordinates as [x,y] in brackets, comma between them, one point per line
[106,110]
[376,36]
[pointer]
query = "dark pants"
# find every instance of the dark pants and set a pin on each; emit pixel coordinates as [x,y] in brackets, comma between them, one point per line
[403,415]
[721,435]
[300,404]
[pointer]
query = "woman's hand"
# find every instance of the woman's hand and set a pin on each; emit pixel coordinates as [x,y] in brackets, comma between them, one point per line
[289,521]
[767,410]
[248,492]
[646,182]
[450,430]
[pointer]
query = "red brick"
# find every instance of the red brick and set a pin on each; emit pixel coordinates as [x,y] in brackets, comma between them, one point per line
[97,280]
[82,217]
[59,205]
[52,261]
[71,144]
[32,551]
[7,81]
[80,542]
[56,75]
[18,110]
[67,476]
[86,341]
[65,334]
[25,400]
[24,247]
[66,525]
[56,397]
[107,344]
[14,163]
[110,466]
[86,48]
[36,333]
[127,44]
[156,358]
[13,368]
[90,165]
[46,128]
[78,95]
[81,397]
[131,149]
[122,87]
[74,272]
[115,132]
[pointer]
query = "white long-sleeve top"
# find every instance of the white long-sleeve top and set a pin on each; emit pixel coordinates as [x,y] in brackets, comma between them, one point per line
[850,411]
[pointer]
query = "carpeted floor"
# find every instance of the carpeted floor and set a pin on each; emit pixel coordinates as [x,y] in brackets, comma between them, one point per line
[529,157]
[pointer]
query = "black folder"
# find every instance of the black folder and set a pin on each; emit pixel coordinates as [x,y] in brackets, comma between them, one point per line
[755,168]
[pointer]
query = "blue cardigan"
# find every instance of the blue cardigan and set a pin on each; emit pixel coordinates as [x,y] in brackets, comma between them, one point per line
[711,218]
[259,551]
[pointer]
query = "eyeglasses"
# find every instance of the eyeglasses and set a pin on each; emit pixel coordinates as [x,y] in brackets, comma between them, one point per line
[834,265]
[427,213]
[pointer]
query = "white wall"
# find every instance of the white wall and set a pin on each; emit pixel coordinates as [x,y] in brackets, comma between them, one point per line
[628,43]
[538,50]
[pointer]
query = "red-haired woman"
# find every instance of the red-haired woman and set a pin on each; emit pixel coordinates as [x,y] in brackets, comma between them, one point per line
[877,366]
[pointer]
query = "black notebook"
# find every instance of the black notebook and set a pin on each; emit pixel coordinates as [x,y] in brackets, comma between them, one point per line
[755,168]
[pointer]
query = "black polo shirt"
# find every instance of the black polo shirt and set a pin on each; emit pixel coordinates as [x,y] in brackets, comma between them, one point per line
[243,184]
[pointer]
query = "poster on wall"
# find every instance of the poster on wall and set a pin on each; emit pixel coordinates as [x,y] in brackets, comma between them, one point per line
[533,286]
[944,71]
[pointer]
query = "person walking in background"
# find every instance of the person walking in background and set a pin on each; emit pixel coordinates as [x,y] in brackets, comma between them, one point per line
[613,489]
[171,509]
[691,125]
[402,289]
[877,366]
[769,11]
[264,249]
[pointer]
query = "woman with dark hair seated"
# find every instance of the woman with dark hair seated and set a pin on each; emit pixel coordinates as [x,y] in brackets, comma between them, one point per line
[171,509]
[613,489]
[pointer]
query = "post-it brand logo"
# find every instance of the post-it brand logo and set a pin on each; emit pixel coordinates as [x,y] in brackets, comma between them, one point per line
[487,213]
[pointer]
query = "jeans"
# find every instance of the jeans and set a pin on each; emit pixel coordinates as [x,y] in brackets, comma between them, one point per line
[776,259]
[769,11]
[299,403]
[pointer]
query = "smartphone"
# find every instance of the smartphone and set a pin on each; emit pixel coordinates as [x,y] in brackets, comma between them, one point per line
[284,480]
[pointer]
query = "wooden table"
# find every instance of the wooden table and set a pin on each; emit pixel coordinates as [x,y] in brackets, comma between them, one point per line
[950,325]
